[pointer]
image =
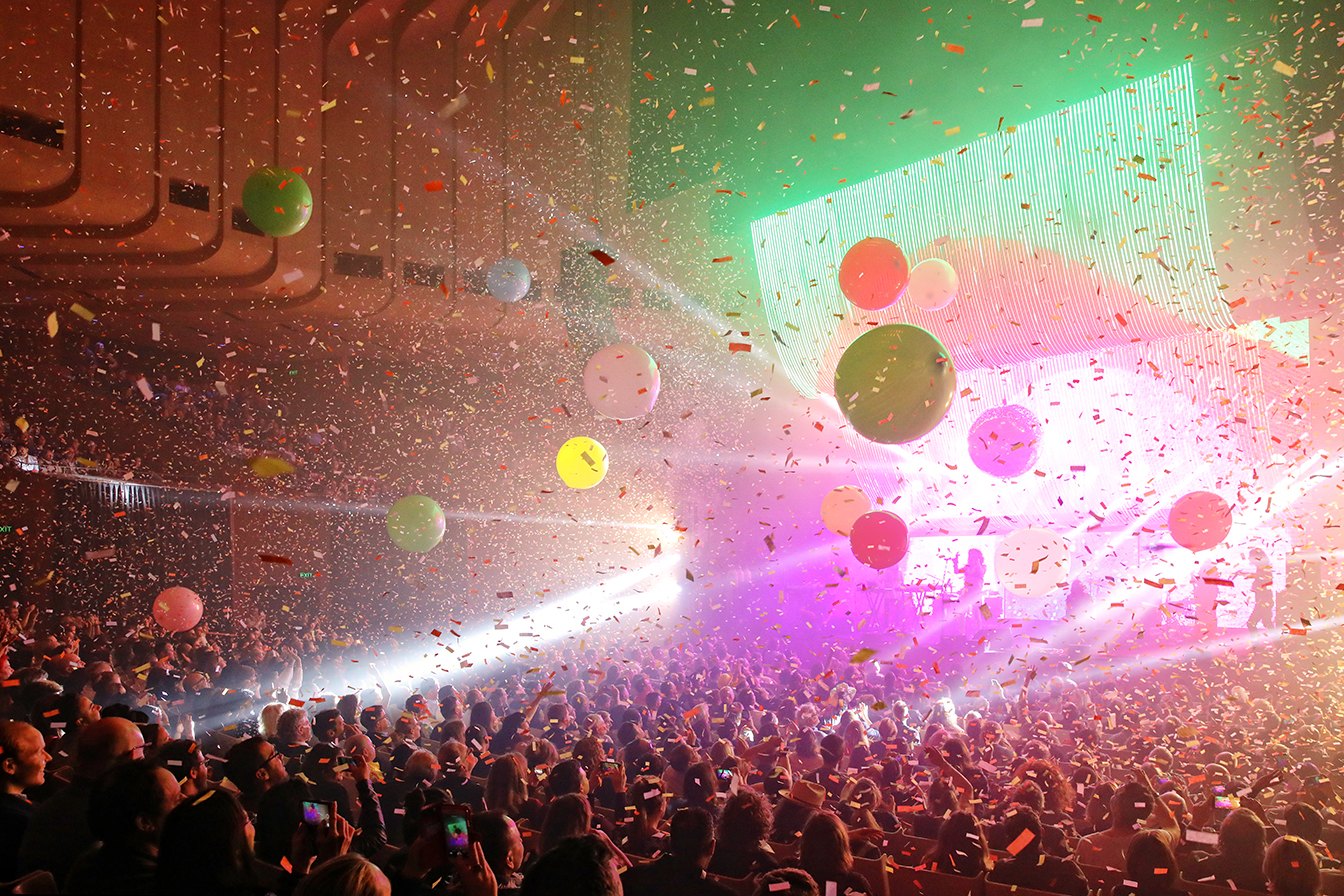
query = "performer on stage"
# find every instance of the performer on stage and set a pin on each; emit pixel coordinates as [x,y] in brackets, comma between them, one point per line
[1262,589]
[1078,601]
[972,589]
[1205,597]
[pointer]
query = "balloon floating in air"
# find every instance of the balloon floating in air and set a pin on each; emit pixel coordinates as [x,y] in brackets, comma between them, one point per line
[873,273]
[581,462]
[277,201]
[879,539]
[895,383]
[416,524]
[508,279]
[178,609]
[1032,562]
[842,506]
[1005,441]
[933,284]
[621,381]
[1199,521]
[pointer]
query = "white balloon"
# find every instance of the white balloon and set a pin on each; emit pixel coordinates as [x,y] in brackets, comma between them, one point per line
[1032,562]
[933,284]
[508,279]
[842,506]
[621,381]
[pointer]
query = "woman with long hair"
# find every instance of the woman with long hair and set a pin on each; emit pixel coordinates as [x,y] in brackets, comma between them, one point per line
[961,847]
[824,853]
[700,789]
[1151,869]
[483,717]
[567,816]
[206,847]
[744,826]
[640,835]
[506,787]
[1292,868]
[857,751]
[806,756]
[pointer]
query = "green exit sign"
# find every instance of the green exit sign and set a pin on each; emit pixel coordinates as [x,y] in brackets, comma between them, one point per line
[305,575]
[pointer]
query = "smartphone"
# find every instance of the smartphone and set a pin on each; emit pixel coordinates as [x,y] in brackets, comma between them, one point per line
[447,829]
[317,813]
[611,766]
[1226,802]
[725,776]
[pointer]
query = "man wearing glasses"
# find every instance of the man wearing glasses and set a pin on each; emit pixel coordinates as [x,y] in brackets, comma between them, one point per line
[254,766]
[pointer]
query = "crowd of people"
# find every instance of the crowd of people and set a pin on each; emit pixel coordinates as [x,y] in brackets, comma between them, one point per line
[243,762]
[201,409]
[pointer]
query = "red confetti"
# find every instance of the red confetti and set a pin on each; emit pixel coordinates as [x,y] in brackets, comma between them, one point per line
[433,186]
[734,347]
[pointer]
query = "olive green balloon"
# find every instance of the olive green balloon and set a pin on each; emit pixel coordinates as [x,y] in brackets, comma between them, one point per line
[277,201]
[895,383]
[416,524]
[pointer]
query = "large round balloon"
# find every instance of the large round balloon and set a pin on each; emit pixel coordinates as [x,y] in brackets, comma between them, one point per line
[1199,521]
[842,506]
[933,284]
[508,279]
[621,381]
[178,609]
[581,462]
[1032,562]
[873,273]
[416,524]
[894,383]
[277,201]
[879,539]
[1005,441]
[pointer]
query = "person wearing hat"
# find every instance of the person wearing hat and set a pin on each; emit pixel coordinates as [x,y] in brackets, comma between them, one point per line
[795,810]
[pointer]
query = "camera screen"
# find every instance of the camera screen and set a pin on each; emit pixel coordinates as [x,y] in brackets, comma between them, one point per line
[316,813]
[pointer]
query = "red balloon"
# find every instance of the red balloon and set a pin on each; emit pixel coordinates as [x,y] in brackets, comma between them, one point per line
[178,609]
[1199,521]
[873,273]
[879,539]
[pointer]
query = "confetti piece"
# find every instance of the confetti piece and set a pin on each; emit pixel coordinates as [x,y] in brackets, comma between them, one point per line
[265,467]
[1284,68]
[1032,23]
[273,558]
[862,655]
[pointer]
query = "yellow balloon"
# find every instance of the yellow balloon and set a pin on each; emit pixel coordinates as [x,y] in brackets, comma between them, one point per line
[581,462]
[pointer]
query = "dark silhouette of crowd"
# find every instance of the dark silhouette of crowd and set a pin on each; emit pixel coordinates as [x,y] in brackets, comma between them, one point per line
[249,763]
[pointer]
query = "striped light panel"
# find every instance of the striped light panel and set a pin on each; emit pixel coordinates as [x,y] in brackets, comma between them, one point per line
[1078,230]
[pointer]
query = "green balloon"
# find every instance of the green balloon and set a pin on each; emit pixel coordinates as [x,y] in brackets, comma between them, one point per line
[277,200]
[895,383]
[416,524]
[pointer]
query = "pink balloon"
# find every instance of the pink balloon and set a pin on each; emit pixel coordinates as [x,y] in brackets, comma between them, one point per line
[873,273]
[879,539]
[1199,521]
[1005,441]
[178,609]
